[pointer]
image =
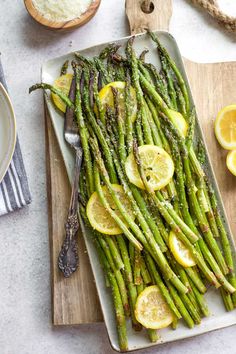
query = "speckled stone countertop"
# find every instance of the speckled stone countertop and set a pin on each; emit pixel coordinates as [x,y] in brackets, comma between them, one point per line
[25,312]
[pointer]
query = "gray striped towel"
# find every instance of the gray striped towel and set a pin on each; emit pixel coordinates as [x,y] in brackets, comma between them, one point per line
[14,189]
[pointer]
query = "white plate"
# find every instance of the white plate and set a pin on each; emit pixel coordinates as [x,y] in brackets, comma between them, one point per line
[7,131]
[219,317]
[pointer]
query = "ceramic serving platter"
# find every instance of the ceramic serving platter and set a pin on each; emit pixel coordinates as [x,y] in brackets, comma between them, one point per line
[219,317]
[7,131]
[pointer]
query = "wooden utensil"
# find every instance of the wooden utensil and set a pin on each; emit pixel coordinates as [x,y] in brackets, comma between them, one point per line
[62,25]
[213,86]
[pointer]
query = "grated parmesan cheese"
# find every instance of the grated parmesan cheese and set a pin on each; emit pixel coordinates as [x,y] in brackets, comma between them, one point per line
[63,10]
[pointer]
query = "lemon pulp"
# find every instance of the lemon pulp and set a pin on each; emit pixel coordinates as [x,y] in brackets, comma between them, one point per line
[152,310]
[99,218]
[157,164]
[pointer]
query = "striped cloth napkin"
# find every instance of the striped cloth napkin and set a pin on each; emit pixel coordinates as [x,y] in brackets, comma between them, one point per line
[14,189]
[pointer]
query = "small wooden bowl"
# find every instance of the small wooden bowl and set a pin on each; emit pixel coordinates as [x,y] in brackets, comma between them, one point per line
[64,25]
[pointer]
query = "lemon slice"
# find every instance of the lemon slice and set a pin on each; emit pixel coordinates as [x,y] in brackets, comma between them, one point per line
[62,83]
[157,164]
[179,122]
[99,217]
[231,161]
[152,310]
[106,98]
[181,253]
[225,127]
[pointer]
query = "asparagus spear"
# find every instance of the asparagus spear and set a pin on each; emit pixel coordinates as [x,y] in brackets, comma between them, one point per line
[83,131]
[115,253]
[64,67]
[172,64]
[120,316]
[171,87]
[129,279]
[53,89]
[137,268]
[117,273]
[159,85]
[140,100]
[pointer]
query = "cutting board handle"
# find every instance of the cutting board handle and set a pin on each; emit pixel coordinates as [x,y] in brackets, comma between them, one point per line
[148,14]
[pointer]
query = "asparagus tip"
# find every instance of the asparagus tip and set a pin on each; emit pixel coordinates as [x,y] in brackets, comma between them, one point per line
[35,87]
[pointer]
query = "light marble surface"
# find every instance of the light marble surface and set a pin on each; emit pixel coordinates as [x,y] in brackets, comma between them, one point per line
[25,325]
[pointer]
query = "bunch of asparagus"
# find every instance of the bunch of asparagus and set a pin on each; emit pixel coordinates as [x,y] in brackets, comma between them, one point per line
[141,256]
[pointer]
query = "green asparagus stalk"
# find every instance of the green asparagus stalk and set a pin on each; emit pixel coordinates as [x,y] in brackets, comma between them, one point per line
[172,64]
[64,67]
[140,100]
[129,279]
[117,273]
[159,86]
[200,300]
[145,273]
[180,305]
[227,299]
[115,253]
[53,89]
[120,316]
[128,121]
[137,267]
[171,87]
[83,131]
[180,100]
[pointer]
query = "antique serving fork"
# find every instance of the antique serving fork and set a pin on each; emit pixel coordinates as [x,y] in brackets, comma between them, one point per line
[68,257]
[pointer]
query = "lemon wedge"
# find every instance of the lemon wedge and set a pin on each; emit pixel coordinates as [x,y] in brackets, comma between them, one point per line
[152,310]
[62,83]
[225,127]
[181,253]
[179,122]
[106,98]
[99,217]
[231,161]
[157,164]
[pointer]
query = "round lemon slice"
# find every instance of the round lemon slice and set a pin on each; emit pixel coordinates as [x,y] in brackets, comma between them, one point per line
[225,127]
[62,83]
[181,253]
[152,310]
[231,161]
[157,164]
[99,217]
[179,122]
[106,98]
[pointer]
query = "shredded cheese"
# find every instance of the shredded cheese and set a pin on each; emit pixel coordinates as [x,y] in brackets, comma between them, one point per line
[63,10]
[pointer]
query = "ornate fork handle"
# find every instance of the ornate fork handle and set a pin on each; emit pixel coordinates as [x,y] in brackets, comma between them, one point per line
[68,259]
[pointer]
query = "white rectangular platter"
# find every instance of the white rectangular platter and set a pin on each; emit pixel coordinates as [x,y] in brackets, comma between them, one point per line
[219,317]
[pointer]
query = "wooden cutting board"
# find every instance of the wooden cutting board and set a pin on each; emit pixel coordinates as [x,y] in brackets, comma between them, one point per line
[74,300]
